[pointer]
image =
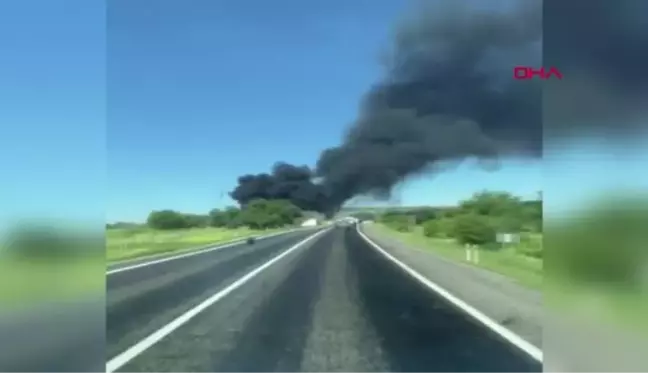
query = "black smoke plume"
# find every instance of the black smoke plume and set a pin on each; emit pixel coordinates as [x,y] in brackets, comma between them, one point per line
[604,58]
[448,94]
[293,183]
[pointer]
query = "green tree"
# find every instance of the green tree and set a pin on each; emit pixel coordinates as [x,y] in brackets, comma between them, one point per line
[604,243]
[166,219]
[506,212]
[122,225]
[431,228]
[425,214]
[446,227]
[531,245]
[449,213]
[495,204]
[261,214]
[233,217]
[474,229]
[287,211]
[399,221]
[197,221]
[532,215]
[507,223]
[391,215]
[43,243]
[218,218]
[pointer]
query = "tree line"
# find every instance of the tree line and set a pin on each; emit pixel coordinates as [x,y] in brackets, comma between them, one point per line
[257,214]
[603,243]
[475,221]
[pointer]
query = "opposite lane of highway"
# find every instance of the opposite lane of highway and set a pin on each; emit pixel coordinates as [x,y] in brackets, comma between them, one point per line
[336,304]
[142,300]
[138,262]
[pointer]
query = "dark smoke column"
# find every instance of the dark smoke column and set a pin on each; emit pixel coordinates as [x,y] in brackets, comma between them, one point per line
[447,94]
[288,182]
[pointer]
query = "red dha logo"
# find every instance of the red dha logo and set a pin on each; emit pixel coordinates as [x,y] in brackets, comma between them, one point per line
[527,72]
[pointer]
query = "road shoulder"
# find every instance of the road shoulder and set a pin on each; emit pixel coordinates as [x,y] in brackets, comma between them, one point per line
[517,308]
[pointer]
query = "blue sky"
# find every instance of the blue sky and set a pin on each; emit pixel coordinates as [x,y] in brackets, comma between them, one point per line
[52,117]
[200,94]
[168,102]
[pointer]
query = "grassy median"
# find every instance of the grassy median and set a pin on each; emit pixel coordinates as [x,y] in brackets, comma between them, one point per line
[122,244]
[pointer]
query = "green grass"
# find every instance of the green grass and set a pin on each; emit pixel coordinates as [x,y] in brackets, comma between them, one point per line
[605,304]
[29,281]
[25,281]
[525,270]
[122,244]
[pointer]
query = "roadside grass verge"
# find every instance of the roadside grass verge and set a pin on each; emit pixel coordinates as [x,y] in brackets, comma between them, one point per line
[124,244]
[28,281]
[600,303]
[526,270]
[25,282]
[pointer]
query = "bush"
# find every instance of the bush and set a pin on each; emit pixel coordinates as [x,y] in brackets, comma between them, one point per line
[218,218]
[39,242]
[400,223]
[508,213]
[401,226]
[197,220]
[390,216]
[167,219]
[530,246]
[446,227]
[431,228]
[262,214]
[506,223]
[492,204]
[425,214]
[229,218]
[605,244]
[474,229]
[532,216]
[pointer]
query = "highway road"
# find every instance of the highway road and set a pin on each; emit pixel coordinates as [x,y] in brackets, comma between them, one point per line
[294,302]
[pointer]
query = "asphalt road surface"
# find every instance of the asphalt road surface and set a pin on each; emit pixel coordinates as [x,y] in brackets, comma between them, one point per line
[332,304]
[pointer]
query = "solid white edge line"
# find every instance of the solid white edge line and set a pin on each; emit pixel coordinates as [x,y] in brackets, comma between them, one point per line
[505,333]
[141,346]
[191,253]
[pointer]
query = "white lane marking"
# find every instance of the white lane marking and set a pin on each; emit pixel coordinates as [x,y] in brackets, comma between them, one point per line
[192,253]
[141,346]
[506,333]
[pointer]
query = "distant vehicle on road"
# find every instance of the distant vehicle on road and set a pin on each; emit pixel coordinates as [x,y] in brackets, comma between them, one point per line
[251,240]
[309,223]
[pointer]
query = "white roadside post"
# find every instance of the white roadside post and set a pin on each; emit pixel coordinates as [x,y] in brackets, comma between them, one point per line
[472,253]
